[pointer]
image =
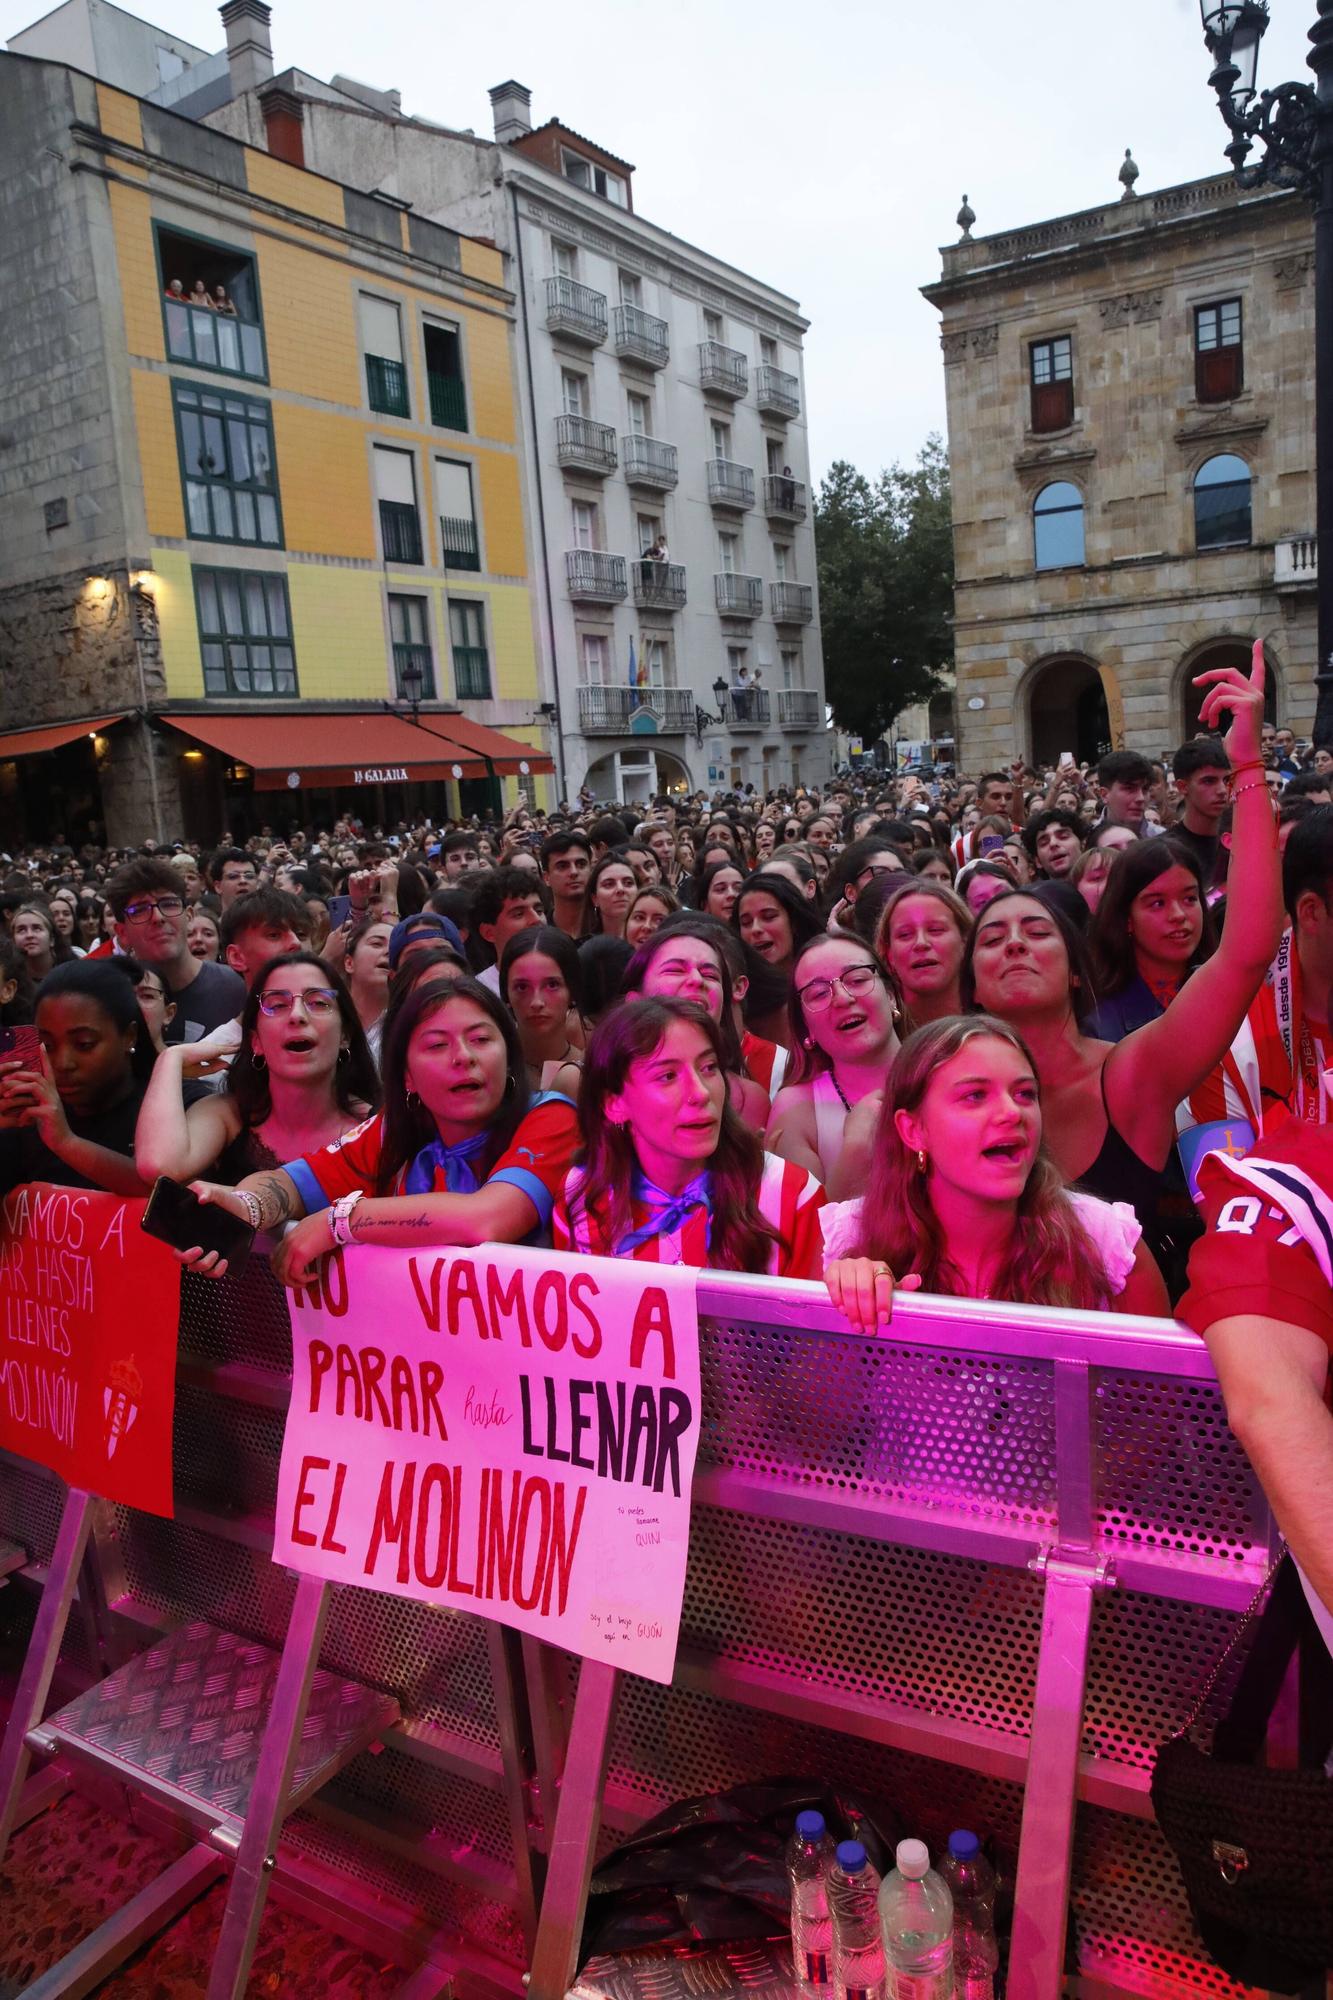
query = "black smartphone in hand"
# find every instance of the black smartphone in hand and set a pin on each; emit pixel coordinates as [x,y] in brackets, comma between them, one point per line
[176,1216]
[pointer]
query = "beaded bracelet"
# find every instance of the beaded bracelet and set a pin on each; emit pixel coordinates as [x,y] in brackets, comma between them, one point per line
[1253,786]
[252,1207]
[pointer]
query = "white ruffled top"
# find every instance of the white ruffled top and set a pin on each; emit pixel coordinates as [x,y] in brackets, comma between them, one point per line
[1112,1225]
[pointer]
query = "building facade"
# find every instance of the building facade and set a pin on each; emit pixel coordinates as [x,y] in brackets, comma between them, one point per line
[1131,439]
[260,563]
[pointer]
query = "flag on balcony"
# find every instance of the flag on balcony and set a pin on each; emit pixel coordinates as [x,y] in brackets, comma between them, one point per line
[633,669]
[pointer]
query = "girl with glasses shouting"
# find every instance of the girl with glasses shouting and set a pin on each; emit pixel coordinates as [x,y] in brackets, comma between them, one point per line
[302,1077]
[843,1019]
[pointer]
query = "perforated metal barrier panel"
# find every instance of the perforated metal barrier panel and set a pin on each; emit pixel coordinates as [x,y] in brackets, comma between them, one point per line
[881,1528]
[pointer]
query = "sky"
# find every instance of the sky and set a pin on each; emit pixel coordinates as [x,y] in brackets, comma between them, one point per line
[820,145]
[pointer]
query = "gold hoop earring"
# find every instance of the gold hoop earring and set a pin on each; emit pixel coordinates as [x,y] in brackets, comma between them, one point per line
[921,1161]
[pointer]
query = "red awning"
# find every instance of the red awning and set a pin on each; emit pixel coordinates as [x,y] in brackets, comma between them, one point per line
[293,752]
[29,742]
[509,756]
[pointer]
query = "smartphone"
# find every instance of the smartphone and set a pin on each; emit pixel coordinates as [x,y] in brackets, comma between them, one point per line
[178,1217]
[21,1045]
[339,907]
[990,843]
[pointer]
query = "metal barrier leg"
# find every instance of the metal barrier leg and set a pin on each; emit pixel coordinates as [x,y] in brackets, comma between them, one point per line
[516,1746]
[576,1826]
[39,1662]
[268,1795]
[90,1963]
[1046,1840]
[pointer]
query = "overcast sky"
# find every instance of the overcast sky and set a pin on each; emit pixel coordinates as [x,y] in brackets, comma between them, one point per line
[822,145]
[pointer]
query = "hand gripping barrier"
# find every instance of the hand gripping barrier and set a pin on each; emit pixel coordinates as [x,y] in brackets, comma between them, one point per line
[977,1566]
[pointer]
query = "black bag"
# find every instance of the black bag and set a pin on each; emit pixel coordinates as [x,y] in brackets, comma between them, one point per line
[1255,1846]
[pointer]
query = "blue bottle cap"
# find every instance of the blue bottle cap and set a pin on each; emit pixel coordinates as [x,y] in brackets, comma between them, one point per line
[851,1856]
[810,1825]
[964,1846]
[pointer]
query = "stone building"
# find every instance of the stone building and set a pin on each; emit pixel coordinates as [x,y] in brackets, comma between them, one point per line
[260,563]
[1131,439]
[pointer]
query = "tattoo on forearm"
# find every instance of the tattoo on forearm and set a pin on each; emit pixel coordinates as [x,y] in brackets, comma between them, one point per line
[275,1200]
[374,1222]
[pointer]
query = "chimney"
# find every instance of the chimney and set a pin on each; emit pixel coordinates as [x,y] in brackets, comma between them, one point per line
[283,123]
[511,104]
[249,45]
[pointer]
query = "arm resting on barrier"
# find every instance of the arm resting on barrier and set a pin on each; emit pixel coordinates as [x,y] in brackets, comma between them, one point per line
[1272,1375]
[1145,1288]
[499,1212]
[170,1140]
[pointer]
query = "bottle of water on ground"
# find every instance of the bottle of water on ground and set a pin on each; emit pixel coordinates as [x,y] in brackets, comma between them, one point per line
[809,1855]
[916,1914]
[858,1947]
[971,1882]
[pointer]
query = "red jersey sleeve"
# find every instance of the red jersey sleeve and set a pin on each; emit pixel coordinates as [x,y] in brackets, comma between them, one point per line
[1252,1261]
[350,1162]
[540,1155]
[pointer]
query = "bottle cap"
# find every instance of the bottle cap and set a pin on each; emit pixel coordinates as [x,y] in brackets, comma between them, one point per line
[851,1857]
[913,1859]
[963,1846]
[810,1825]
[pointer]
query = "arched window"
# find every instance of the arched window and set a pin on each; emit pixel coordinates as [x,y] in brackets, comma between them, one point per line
[1057,526]
[1222,503]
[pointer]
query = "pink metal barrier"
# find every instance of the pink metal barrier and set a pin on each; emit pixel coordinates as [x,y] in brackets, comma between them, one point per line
[976,1568]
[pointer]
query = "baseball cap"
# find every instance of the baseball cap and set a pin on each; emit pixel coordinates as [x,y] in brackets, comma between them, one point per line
[426,924]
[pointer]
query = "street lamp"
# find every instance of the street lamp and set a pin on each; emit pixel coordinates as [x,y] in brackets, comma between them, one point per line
[411,687]
[1294,124]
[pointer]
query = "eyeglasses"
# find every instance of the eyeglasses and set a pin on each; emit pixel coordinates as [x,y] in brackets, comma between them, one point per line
[277,1003]
[141,913]
[857,979]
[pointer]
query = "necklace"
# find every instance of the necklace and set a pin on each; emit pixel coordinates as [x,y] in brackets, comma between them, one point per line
[841,1092]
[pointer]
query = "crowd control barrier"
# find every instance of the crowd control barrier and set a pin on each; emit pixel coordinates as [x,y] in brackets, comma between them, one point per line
[976,1567]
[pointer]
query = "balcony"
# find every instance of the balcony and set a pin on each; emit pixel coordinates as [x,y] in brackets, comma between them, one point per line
[386,386]
[793,603]
[798,708]
[745,708]
[582,443]
[777,393]
[214,340]
[784,497]
[448,401]
[606,710]
[722,369]
[658,586]
[400,532]
[458,542]
[596,578]
[1296,563]
[730,485]
[649,462]
[739,596]
[637,336]
[575,310]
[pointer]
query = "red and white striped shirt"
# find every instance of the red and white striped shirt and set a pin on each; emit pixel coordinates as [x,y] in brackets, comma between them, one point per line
[790,1199]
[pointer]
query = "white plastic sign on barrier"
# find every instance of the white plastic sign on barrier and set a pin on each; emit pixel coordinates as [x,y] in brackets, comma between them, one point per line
[502,1431]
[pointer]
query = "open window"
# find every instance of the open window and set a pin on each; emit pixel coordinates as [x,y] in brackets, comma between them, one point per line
[211,304]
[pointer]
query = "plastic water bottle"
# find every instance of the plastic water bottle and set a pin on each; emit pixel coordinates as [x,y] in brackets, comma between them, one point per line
[809,1856]
[971,1883]
[916,1912]
[858,1946]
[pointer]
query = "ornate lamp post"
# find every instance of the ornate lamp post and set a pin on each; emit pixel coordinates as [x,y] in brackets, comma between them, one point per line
[1294,125]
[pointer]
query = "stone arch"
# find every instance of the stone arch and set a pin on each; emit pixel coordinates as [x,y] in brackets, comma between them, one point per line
[633,776]
[1069,701]
[1221,649]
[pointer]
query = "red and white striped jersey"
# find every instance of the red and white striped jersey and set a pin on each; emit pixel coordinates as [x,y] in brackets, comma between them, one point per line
[790,1199]
[766,1062]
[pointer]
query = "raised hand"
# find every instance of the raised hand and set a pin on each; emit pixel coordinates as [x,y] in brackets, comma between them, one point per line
[1231,691]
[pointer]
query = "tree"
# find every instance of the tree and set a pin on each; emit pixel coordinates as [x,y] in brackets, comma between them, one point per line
[885,560]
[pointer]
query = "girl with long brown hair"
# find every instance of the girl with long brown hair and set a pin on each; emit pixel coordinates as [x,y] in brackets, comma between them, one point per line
[963,1199]
[668,1174]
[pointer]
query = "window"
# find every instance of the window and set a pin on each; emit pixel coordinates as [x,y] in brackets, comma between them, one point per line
[727,551]
[780,555]
[631,289]
[1052,364]
[640,415]
[382,339]
[563,259]
[458,517]
[773,453]
[793,667]
[653,659]
[1219,357]
[444,376]
[737,658]
[585,524]
[768,351]
[713,326]
[721,439]
[467,636]
[413,667]
[595,659]
[647,527]
[1057,526]
[396,490]
[1222,503]
[586,174]
[230,340]
[231,482]
[245,632]
[573,393]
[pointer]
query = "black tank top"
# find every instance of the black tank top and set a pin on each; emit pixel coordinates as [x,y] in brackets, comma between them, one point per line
[1159,1198]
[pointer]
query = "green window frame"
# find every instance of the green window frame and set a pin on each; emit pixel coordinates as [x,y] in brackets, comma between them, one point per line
[386,386]
[221,343]
[245,632]
[467,643]
[409,629]
[229,467]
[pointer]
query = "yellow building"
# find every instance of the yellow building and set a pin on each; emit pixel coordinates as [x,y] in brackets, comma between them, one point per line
[269,557]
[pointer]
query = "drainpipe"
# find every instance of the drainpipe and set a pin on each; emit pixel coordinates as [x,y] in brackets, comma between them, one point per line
[541,504]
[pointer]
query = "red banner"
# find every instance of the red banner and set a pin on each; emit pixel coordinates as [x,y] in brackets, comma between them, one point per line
[89,1308]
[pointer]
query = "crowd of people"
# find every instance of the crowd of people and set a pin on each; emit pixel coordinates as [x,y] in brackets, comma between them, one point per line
[1056,1036]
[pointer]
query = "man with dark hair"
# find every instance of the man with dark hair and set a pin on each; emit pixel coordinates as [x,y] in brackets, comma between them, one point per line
[566,860]
[1202,772]
[1123,782]
[459,854]
[996,793]
[259,927]
[1315,785]
[149,909]
[1054,839]
[232,873]
[640,856]
[605,833]
[506,902]
[874,854]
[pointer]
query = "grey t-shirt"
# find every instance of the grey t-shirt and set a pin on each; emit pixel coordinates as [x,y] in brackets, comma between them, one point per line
[215,995]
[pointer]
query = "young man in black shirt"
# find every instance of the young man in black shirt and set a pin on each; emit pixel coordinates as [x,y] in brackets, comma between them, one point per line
[1202,772]
[149,909]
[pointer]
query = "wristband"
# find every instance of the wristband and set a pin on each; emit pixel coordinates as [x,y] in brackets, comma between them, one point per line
[1254,764]
[1255,785]
[340,1224]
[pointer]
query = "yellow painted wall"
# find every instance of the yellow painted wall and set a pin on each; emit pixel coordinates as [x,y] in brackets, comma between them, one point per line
[490,378]
[159,460]
[275,180]
[118,116]
[324,480]
[479,260]
[140,287]
[338,630]
[174,597]
[502,513]
[509,632]
[309,322]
